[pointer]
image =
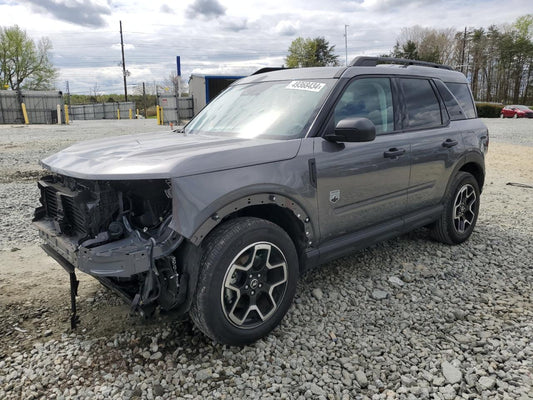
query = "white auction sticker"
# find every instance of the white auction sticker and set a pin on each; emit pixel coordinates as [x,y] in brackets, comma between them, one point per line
[305,85]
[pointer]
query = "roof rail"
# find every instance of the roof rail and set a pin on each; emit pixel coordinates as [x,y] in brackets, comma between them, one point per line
[364,61]
[267,69]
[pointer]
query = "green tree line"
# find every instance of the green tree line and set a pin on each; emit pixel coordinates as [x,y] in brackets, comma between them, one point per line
[498,60]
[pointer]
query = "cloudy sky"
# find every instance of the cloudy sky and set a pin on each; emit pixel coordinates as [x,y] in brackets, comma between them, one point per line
[230,37]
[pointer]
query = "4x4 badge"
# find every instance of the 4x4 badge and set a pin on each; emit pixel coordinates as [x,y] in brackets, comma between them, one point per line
[334,196]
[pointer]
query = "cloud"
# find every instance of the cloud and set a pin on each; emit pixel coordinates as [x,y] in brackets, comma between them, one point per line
[205,8]
[287,28]
[87,13]
[234,24]
[165,8]
[388,5]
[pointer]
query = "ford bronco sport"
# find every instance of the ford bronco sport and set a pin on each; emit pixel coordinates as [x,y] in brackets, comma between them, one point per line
[282,172]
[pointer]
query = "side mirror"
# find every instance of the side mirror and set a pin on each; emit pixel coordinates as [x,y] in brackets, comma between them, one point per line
[353,130]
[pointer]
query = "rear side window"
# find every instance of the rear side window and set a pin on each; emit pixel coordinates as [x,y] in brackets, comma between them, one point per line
[368,98]
[421,104]
[463,96]
[454,109]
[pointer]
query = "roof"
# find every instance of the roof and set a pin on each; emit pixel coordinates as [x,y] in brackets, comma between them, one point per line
[363,66]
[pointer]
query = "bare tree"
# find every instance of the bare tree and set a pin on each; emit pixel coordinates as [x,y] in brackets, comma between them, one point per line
[427,44]
[173,83]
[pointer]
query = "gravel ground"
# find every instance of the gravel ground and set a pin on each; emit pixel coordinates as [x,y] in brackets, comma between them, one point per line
[406,319]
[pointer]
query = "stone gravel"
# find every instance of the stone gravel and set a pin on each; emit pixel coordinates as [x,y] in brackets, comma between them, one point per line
[405,319]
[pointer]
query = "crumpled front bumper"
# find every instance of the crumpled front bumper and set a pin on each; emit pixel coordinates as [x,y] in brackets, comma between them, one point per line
[125,257]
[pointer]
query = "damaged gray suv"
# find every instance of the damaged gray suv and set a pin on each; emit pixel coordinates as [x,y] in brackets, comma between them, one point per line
[284,171]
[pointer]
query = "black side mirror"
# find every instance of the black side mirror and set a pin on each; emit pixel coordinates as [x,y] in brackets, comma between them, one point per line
[353,130]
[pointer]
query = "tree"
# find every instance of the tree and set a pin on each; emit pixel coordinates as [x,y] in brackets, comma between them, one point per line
[23,63]
[407,50]
[425,44]
[498,61]
[173,83]
[311,53]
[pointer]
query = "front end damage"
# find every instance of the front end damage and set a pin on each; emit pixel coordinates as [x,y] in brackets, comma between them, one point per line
[118,232]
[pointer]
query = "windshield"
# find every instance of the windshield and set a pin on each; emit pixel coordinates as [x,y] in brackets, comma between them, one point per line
[276,110]
[523,108]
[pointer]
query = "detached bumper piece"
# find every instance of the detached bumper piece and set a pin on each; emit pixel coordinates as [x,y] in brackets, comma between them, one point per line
[74,283]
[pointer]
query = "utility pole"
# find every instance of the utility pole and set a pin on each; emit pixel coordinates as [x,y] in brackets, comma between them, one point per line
[144,99]
[346,42]
[68,98]
[463,55]
[123,64]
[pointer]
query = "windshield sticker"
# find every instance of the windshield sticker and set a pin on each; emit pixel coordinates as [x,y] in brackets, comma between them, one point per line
[304,85]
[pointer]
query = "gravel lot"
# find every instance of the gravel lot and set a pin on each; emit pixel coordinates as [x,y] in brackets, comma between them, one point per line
[406,319]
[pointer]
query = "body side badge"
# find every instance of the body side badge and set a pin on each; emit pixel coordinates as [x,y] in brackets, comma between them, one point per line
[334,196]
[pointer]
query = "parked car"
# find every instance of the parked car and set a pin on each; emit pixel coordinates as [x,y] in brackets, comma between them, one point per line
[515,111]
[282,172]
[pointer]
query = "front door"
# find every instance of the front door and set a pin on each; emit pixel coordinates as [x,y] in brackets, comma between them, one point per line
[362,184]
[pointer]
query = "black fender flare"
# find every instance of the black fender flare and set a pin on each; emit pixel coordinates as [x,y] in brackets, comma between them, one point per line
[257,199]
[472,157]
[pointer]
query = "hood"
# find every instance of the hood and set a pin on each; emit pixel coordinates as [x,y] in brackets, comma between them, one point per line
[165,155]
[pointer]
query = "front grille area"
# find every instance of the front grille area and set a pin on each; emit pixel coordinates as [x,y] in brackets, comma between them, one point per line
[82,208]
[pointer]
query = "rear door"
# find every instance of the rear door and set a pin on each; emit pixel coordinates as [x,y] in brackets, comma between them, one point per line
[436,144]
[362,184]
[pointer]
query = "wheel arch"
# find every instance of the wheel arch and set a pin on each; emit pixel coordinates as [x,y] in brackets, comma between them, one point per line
[475,165]
[278,209]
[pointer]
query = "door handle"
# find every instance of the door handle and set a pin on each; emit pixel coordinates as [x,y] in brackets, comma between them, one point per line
[394,153]
[450,143]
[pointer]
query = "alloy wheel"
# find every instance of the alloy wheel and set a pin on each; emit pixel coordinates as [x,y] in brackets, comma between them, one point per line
[254,285]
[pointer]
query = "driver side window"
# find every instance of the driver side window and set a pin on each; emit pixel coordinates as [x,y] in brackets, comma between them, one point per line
[368,98]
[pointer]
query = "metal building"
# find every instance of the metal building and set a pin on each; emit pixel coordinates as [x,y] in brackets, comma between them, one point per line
[204,88]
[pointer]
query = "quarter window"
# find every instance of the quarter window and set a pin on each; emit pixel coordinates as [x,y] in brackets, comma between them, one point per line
[368,98]
[454,109]
[421,103]
[464,97]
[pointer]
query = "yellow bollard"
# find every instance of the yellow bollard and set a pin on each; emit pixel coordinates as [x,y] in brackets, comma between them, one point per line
[137,115]
[130,114]
[118,113]
[158,115]
[67,121]
[24,113]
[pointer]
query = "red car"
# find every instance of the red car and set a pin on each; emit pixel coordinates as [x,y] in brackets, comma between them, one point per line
[516,112]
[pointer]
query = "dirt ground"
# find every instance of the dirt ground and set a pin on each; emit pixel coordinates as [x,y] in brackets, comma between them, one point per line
[34,289]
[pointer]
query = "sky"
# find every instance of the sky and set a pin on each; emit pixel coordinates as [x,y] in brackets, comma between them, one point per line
[223,37]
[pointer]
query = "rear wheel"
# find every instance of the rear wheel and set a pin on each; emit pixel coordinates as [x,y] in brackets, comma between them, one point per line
[247,281]
[461,208]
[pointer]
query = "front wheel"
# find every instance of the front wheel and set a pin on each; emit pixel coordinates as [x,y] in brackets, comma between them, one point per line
[247,281]
[461,208]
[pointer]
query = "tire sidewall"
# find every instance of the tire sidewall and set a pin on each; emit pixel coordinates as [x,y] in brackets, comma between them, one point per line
[462,180]
[214,270]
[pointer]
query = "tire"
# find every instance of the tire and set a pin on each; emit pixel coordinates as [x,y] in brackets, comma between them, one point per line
[461,209]
[515,115]
[248,276]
